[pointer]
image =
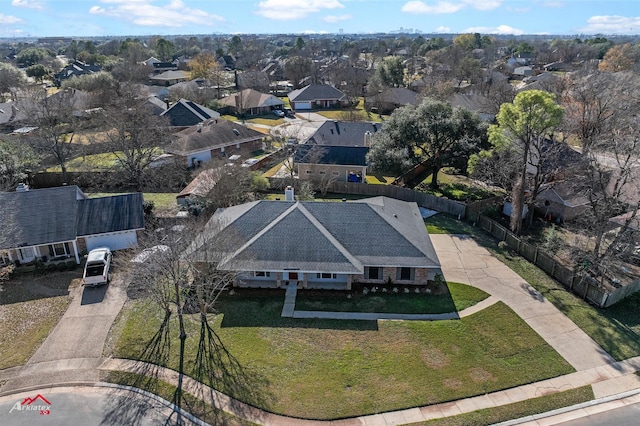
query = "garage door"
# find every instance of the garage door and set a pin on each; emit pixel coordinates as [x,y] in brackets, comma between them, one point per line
[114,241]
[303,105]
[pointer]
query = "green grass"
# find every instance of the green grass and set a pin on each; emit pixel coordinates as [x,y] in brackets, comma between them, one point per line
[458,297]
[331,368]
[27,316]
[516,410]
[456,187]
[190,403]
[92,163]
[161,200]
[379,179]
[615,329]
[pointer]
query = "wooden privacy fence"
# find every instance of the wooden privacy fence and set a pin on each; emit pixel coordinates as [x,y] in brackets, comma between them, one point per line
[580,284]
[428,201]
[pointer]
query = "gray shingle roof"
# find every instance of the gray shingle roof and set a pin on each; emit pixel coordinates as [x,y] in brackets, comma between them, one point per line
[214,133]
[110,214]
[343,133]
[51,215]
[188,113]
[316,236]
[342,155]
[314,92]
[38,216]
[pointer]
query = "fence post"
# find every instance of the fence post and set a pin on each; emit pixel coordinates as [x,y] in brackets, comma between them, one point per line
[535,256]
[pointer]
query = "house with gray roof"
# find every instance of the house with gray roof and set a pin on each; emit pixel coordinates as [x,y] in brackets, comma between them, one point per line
[251,102]
[317,96]
[319,244]
[62,223]
[344,133]
[214,138]
[331,163]
[391,99]
[185,113]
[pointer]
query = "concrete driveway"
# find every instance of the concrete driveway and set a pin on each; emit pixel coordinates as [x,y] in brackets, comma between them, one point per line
[73,350]
[464,261]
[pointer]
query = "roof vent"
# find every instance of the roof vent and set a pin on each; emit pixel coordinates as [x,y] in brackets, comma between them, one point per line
[236,131]
[22,187]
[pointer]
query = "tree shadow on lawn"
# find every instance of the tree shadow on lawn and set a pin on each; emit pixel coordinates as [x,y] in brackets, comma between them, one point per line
[23,287]
[263,308]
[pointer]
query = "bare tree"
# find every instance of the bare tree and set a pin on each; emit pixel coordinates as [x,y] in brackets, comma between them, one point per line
[55,124]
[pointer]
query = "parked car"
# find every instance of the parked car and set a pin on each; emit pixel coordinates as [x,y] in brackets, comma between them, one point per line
[288,112]
[278,113]
[96,270]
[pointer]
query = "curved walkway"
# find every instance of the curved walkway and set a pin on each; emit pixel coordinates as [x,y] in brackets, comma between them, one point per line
[462,259]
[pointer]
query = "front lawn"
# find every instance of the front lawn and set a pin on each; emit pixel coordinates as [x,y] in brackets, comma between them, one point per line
[457,187]
[458,297]
[30,306]
[161,200]
[329,369]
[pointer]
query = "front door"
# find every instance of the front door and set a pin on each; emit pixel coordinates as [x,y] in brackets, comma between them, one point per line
[293,276]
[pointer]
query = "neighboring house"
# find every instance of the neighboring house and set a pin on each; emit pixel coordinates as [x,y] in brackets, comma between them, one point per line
[251,102]
[199,187]
[319,244]
[317,96]
[60,223]
[523,71]
[186,113]
[391,99]
[160,67]
[75,69]
[214,138]
[227,62]
[331,163]
[561,202]
[168,78]
[476,103]
[344,133]
[156,105]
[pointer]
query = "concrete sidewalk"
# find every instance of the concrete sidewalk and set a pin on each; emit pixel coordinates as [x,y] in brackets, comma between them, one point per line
[464,261]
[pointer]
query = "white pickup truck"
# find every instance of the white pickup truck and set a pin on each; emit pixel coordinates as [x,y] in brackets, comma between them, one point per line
[96,270]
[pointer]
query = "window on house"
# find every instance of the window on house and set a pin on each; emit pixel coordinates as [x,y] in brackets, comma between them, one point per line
[373,273]
[261,274]
[335,173]
[326,276]
[60,249]
[322,172]
[405,274]
[309,172]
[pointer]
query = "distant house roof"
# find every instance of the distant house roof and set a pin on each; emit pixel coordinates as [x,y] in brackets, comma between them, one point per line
[396,96]
[110,214]
[202,184]
[170,75]
[316,92]
[343,133]
[250,98]
[51,215]
[214,133]
[564,193]
[316,236]
[186,113]
[476,103]
[74,69]
[339,155]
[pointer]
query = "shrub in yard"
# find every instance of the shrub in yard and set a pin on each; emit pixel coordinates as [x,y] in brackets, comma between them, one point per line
[71,265]
[51,267]
[61,267]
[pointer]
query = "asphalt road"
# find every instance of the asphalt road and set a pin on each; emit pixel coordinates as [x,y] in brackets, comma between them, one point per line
[85,406]
[629,415]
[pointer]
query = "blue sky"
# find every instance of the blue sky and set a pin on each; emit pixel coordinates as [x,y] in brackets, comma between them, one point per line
[165,17]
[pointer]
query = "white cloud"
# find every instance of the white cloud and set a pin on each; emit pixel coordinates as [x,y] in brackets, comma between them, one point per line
[612,25]
[315,32]
[443,6]
[174,14]
[29,4]
[436,9]
[442,29]
[286,10]
[332,19]
[8,19]
[500,29]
